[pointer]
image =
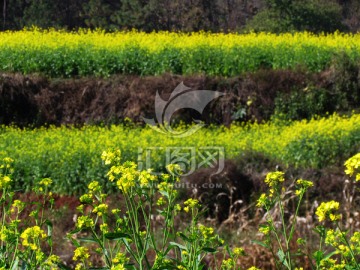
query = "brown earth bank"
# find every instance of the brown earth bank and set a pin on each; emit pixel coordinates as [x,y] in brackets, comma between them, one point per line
[33,100]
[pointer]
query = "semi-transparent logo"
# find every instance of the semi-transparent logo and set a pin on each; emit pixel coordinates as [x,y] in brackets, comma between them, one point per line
[182,97]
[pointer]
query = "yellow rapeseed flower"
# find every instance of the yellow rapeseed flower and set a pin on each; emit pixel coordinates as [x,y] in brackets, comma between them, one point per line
[81,253]
[228,263]
[264,230]
[94,187]
[253,268]
[84,222]
[45,182]
[4,181]
[273,179]
[262,201]
[31,236]
[239,251]
[207,232]
[326,210]
[101,209]
[191,204]
[352,166]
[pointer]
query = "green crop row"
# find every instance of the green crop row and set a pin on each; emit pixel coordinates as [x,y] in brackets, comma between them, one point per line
[71,156]
[62,54]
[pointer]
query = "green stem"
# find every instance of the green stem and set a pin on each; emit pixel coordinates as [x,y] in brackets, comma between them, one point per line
[273,229]
[296,214]
[16,245]
[348,244]
[102,246]
[133,228]
[167,218]
[284,232]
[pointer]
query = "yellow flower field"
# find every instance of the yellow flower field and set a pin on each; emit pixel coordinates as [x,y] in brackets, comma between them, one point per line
[70,156]
[66,54]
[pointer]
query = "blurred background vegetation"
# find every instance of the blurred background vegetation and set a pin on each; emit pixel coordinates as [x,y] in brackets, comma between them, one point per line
[184,15]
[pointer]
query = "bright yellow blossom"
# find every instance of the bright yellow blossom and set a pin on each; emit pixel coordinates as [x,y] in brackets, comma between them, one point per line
[31,236]
[353,166]
[273,179]
[327,209]
[81,253]
[83,222]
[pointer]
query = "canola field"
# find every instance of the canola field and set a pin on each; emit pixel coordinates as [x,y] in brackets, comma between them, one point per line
[66,54]
[71,156]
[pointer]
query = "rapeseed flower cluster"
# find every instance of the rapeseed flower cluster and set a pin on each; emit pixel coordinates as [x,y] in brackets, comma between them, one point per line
[302,186]
[238,251]
[146,178]
[332,264]
[100,209]
[52,262]
[352,166]
[45,182]
[206,232]
[84,222]
[265,230]
[228,264]
[274,181]
[81,253]
[120,258]
[327,210]
[111,157]
[18,206]
[4,181]
[7,233]
[126,175]
[263,200]
[191,204]
[31,237]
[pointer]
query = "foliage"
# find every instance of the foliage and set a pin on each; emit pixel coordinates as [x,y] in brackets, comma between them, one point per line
[69,155]
[128,240]
[24,244]
[63,54]
[337,250]
[185,15]
[131,240]
[298,15]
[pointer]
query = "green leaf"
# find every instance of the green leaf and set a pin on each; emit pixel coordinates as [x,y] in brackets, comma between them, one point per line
[229,251]
[16,263]
[185,238]
[210,250]
[63,266]
[318,256]
[49,227]
[75,231]
[88,240]
[330,254]
[75,242]
[174,244]
[260,243]
[116,236]
[282,258]
[164,193]
[130,266]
